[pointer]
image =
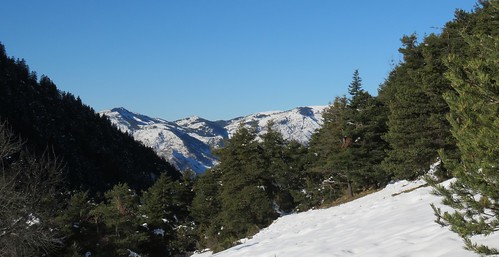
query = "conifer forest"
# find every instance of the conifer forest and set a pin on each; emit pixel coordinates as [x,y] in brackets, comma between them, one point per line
[82,186]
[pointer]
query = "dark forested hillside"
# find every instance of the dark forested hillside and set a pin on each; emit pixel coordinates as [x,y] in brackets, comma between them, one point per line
[97,155]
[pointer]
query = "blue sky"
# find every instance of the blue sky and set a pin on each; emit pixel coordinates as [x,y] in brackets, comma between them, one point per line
[217,59]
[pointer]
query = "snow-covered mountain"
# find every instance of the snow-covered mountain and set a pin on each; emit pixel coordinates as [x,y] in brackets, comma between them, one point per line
[187,143]
[396,221]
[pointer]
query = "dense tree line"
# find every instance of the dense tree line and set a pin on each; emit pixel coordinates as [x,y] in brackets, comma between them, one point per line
[99,191]
[154,222]
[255,181]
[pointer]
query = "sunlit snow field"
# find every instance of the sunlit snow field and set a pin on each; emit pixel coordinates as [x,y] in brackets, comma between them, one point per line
[392,222]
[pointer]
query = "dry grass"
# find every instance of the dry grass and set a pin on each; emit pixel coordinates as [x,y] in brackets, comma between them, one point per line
[410,190]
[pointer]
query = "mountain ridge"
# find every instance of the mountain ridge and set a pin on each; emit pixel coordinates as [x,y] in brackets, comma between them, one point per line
[187,142]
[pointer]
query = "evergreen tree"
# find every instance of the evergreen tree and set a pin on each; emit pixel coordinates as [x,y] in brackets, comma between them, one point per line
[245,199]
[408,134]
[159,215]
[363,147]
[185,230]
[474,118]
[206,206]
[349,148]
[120,217]
[164,210]
[294,180]
[278,165]
[324,181]
[284,162]
[414,94]
[356,86]
[325,141]
[76,224]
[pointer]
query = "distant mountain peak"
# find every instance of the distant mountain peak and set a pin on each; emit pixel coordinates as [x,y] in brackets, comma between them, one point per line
[195,117]
[187,143]
[119,109]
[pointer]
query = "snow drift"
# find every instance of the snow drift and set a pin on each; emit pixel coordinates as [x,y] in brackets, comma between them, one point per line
[396,221]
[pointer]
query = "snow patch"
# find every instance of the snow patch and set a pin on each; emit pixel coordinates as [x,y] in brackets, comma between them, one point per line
[132,253]
[159,232]
[32,220]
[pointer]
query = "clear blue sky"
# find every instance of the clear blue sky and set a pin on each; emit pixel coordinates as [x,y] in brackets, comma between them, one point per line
[217,59]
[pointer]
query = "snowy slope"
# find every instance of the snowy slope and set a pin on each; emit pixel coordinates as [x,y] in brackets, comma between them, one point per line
[167,139]
[187,143]
[387,223]
[296,124]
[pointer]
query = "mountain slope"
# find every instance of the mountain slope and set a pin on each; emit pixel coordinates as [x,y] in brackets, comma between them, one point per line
[187,143]
[396,221]
[296,124]
[95,154]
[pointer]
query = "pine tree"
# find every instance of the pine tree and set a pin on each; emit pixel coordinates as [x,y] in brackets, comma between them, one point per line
[278,166]
[414,94]
[295,178]
[356,86]
[158,213]
[324,178]
[164,210]
[474,118]
[76,224]
[325,141]
[185,230]
[364,148]
[206,206]
[349,148]
[120,217]
[245,199]
[409,111]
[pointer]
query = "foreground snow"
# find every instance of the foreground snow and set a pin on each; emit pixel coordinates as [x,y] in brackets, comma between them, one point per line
[392,222]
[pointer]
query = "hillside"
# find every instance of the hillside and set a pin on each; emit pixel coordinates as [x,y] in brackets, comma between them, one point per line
[396,221]
[187,143]
[96,154]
